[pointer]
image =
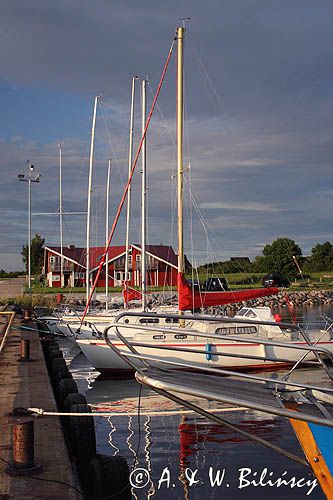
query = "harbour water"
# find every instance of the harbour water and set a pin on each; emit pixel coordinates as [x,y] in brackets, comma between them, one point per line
[177,454]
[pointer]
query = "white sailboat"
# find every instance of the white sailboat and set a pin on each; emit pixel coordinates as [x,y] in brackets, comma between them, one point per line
[178,339]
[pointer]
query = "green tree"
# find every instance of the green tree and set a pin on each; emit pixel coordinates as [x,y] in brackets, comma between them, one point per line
[321,258]
[37,254]
[278,257]
[260,265]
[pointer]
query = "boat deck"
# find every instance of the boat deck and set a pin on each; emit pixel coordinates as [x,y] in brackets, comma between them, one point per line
[231,390]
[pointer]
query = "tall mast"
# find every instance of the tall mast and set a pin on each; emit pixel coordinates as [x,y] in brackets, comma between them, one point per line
[180,35]
[107,235]
[130,159]
[62,283]
[92,143]
[143,200]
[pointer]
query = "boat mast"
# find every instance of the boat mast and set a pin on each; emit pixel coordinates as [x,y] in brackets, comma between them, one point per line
[180,36]
[107,235]
[143,200]
[130,159]
[92,143]
[62,283]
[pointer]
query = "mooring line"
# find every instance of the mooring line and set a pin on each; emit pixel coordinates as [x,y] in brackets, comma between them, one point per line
[40,412]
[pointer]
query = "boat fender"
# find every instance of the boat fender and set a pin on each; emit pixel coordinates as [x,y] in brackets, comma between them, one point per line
[108,478]
[73,398]
[65,386]
[208,351]
[82,437]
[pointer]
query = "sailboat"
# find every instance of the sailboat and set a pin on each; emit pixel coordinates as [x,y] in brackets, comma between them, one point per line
[251,340]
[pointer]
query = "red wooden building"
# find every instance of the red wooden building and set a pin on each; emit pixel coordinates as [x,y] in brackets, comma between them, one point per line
[161,265]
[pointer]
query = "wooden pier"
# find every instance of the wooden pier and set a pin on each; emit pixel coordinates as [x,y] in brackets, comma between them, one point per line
[26,384]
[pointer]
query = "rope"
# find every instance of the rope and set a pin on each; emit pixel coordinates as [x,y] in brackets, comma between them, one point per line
[122,201]
[39,412]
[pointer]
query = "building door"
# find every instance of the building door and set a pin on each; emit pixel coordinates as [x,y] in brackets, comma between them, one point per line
[118,278]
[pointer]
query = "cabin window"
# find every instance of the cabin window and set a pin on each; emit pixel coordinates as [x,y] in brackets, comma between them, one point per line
[237,330]
[250,314]
[224,331]
[172,320]
[149,320]
[247,329]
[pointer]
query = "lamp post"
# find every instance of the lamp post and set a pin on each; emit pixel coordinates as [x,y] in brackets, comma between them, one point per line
[29,179]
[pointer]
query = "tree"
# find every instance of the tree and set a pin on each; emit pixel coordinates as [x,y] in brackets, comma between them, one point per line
[260,265]
[278,257]
[37,254]
[321,258]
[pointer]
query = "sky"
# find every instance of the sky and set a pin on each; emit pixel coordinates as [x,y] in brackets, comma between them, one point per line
[258,121]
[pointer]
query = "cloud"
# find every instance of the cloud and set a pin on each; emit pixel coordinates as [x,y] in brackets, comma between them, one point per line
[259,118]
[247,206]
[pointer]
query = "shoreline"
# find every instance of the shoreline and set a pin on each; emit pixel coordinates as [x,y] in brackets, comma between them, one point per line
[297,298]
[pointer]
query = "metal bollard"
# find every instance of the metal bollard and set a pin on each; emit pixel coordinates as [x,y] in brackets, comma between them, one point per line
[25,350]
[23,462]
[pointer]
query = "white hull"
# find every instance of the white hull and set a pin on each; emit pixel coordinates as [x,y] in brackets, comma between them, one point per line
[105,360]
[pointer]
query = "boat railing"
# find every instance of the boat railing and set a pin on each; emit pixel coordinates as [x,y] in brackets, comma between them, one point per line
[139,361]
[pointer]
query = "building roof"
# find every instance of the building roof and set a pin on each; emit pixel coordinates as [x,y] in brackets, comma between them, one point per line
[78,254]
[164,252]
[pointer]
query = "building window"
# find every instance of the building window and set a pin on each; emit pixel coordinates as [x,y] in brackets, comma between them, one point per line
[130,259]
[52,260]
[138,257]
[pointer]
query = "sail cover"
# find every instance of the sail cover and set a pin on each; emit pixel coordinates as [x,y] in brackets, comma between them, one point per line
[189,299]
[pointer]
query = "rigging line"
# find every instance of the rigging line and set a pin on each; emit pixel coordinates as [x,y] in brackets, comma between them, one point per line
[122,201]
[218,98]
[186,122]
[172,172]
[204,222]
[114,156]
[78,177]
[139,427]
[163,119]
[119,170]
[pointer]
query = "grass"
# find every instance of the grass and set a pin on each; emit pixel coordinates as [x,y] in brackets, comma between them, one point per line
[235,280]
[53,290]
[26,301]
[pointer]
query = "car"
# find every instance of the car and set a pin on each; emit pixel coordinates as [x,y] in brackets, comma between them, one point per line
[194,284]
[215,284]
[276,280]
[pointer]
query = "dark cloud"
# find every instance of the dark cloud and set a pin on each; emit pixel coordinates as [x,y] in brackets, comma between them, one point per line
[259,114]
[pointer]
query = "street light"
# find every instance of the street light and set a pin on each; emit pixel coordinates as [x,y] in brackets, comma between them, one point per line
[29,179]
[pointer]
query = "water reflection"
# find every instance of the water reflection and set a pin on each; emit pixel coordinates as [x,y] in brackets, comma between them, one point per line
[178,440]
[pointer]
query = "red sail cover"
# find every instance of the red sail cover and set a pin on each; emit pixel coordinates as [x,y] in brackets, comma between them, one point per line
[130,293]
[189,299]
